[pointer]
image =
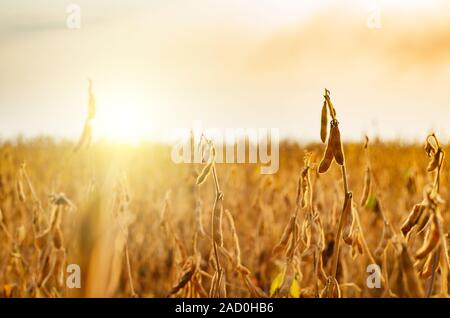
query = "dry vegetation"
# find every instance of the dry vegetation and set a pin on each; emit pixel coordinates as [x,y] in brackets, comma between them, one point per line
[140,225]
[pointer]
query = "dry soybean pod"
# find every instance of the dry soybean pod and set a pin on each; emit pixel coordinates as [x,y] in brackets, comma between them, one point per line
[336,143]
[412,219]
[324,123]
[286,234]
[431,241]
[329,154]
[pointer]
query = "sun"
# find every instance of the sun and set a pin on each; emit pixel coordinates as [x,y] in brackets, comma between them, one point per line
[118,120]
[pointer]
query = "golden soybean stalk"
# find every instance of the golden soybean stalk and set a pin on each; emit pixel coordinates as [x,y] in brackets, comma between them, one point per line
[86,136]
[334,147]
[218,286]
[312,234]
[367,175]
[124,219]
[254,290]
[287,280]
[437,155]
[335,151]
[435,242]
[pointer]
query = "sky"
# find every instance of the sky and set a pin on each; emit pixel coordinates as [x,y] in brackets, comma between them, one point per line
[158,66]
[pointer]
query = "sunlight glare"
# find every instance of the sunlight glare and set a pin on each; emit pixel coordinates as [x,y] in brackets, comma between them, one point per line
[119,121]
